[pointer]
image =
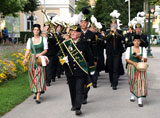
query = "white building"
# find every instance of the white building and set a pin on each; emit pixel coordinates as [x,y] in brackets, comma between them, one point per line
[53,7]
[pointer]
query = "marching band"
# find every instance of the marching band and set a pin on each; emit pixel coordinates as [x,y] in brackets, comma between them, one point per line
[77,47]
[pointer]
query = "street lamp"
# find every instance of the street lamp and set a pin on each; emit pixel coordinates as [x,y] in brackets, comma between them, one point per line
[149,31]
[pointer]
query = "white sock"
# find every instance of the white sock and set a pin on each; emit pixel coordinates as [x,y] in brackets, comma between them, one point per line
[140,100]
[132,97]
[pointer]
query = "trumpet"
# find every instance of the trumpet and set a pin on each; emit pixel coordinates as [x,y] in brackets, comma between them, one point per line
[112,32]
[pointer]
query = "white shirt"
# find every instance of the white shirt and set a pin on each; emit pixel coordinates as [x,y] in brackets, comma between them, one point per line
[127,53]
[45,43]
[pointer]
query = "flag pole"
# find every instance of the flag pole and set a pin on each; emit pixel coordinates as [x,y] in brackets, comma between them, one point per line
[129,11]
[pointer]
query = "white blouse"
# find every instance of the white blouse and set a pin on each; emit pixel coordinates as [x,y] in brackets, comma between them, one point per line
[45,43]
[127,53]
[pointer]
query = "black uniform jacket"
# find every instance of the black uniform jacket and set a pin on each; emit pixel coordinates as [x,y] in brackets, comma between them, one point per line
[53,47]
[74,69]
[90,38]
[114,44]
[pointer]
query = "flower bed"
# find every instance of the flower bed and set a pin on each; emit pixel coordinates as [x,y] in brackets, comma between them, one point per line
[13,64]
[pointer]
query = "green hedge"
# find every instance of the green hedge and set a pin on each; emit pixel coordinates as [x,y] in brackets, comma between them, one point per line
[24,36]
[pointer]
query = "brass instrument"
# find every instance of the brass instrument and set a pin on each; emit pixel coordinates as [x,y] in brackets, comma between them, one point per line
[112,32]
[53,30]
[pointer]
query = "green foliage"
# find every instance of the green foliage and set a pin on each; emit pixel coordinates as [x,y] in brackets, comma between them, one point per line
[11,7]
[103,9]
[24,35]
[31,6]
[154,1]
[80,4]
[13,92]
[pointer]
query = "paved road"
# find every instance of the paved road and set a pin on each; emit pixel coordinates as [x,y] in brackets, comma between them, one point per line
[103,102]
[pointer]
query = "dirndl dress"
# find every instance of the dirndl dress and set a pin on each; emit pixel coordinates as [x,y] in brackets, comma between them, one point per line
[37,77]
[137,79]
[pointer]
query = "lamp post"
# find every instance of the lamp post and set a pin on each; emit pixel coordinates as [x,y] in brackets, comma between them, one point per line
[149,31]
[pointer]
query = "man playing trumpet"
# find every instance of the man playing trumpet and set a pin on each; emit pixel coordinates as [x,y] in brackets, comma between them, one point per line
[114,50]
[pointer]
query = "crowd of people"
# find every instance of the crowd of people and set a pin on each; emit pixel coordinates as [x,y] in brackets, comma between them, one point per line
[6,37]
[78,51]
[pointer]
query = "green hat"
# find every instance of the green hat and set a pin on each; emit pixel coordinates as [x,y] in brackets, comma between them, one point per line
[84,18]
[138,25]
[75,28]
[113,20]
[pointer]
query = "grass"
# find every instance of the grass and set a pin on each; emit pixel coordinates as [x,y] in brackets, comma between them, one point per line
[13,93]
[155,45]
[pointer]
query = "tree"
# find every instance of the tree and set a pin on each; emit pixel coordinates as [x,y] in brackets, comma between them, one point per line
[31,6]
[154,1]
[80,4]
[103,9]
[11,7]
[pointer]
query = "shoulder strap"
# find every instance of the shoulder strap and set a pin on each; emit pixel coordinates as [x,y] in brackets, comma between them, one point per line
[142,51]
[130,51]
[33,46]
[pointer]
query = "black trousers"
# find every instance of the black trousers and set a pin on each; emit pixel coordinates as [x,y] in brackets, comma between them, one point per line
[76,87]
[59,69]
[94,77]
[51,68]
[113,63]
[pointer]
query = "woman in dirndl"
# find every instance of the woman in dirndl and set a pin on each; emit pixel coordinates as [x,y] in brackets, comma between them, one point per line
[137,79]
[38,46]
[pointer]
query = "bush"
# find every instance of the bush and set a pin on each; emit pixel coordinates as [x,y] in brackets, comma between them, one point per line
[24,36]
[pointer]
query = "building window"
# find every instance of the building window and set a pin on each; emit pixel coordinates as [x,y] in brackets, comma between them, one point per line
[28,25]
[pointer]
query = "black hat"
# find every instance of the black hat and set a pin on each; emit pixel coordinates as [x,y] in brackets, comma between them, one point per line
[85,12]
[137,37]
[138,25]
[75,28]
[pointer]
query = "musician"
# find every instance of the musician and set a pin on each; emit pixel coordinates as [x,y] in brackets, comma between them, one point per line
[129,37]
[77,53]
[114,50]
[143,37]
[53,49]
[100,55]
[90,39]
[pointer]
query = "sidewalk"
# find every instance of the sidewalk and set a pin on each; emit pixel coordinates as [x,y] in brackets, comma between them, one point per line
[103,102]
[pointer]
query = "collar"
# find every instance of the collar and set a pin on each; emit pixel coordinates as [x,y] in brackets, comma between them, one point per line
[84,31]
[76,41]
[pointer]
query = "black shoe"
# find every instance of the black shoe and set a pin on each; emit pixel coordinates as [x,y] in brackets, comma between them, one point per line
[34,97]
[111,85]
[78,112]
[114,87]
[94,85]
[48,84]
[84,101]
[53,80]
[140,105]
[73,109]
[38,101]
[59,76]
[132,100]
